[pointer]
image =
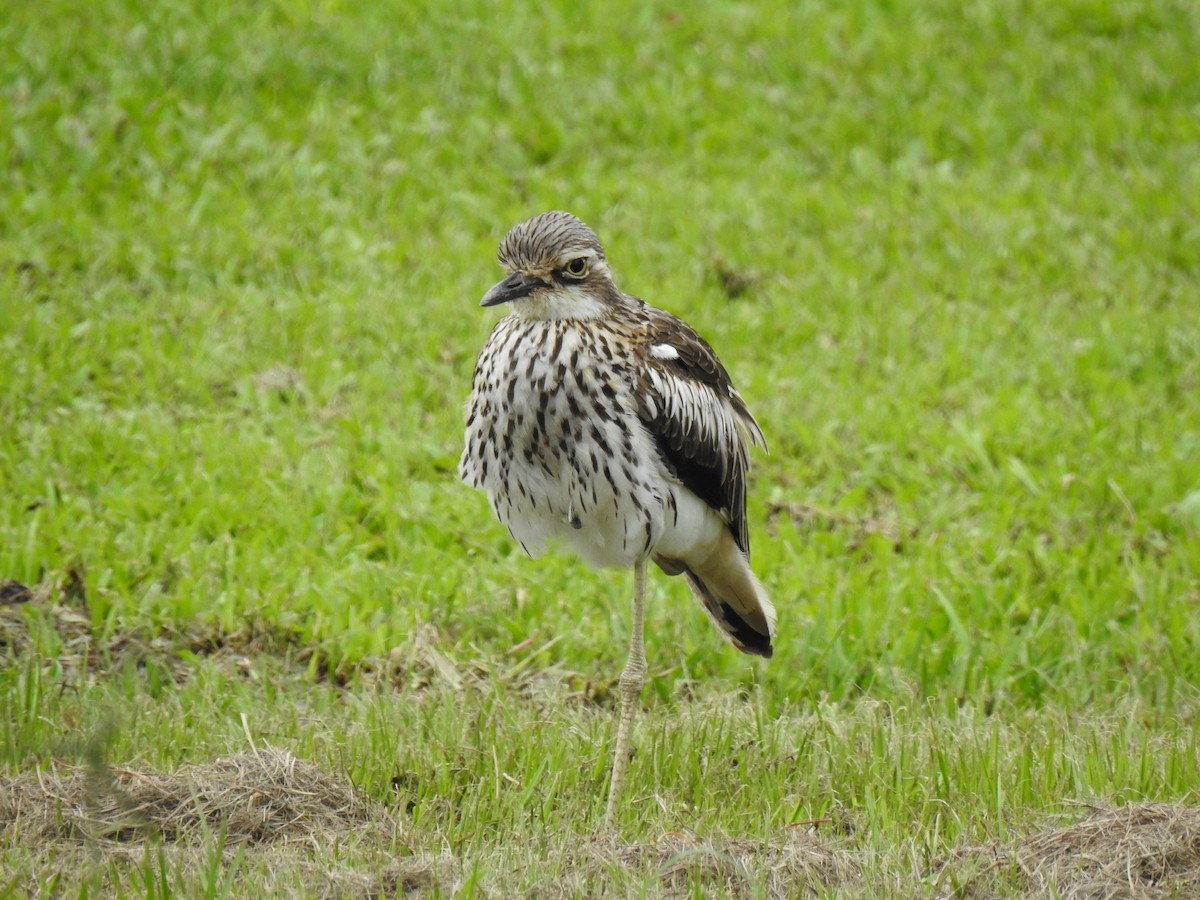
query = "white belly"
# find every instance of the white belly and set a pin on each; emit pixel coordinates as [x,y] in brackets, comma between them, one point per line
[555,441]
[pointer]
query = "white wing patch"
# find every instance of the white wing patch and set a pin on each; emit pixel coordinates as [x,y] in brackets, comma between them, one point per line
[663,351]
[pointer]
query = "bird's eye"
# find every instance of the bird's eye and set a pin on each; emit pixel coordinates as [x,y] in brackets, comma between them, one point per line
[577,267]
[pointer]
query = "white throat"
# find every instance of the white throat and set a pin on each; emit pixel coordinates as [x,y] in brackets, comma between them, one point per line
[570,301]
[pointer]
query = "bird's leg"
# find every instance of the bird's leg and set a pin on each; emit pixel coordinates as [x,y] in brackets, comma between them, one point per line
[631,687]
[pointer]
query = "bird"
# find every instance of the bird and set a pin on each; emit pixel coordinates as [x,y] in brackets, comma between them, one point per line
[602,423]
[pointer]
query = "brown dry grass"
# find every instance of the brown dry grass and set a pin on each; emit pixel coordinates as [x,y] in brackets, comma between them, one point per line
[284,813]
[281,811]
[800,863]
[260,796]
[1138,850]
[674,864]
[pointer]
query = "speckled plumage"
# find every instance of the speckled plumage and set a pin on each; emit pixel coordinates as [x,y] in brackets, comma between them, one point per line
[609,425]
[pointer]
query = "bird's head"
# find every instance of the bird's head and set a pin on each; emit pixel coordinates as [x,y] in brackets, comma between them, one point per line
[556,270]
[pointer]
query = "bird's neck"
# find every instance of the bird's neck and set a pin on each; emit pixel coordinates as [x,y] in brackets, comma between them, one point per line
[567,302]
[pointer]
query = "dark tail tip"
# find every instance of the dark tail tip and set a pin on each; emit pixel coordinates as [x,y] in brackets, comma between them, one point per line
[741,633]
[753,642]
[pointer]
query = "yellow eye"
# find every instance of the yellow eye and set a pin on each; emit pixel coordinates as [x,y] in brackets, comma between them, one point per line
[577,267]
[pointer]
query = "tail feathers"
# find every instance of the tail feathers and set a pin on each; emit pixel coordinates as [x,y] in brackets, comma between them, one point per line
[748,630]
[731,595]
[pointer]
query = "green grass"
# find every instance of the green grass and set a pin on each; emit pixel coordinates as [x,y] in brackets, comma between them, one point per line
[241,249]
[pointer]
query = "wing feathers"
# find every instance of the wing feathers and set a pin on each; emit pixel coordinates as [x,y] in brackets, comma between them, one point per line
[700,422]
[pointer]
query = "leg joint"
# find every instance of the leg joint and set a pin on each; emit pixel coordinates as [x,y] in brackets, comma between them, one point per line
[632,679]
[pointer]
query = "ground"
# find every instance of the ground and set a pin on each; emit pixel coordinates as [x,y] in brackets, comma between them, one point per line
[256,638]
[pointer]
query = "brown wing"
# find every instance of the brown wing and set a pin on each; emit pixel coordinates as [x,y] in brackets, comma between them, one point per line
[700,423]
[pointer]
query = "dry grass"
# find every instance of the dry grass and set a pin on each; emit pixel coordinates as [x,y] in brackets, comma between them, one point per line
[283,813]
[258,797]
[1139,850]
[675,864]
[799,863]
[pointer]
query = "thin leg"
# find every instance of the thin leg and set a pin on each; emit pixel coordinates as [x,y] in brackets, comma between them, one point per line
[630,684]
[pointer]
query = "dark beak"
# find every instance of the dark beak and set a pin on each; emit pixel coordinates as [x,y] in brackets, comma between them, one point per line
[514,287]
